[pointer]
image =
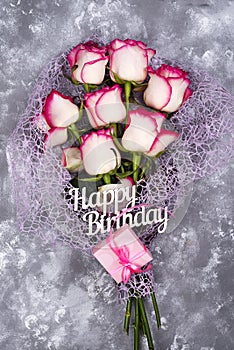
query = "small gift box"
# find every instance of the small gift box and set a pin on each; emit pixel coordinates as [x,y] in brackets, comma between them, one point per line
[122,254]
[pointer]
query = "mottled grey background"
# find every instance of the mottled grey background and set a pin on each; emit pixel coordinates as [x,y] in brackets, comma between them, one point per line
[52,297]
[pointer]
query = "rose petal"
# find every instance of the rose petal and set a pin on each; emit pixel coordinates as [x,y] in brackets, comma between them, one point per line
[127,182]
[83,56]
[56,136]
[164,139]
[99,153]
[72,55]
[60,111]
[187,94]
[158,92]
[141,131]
[129,63]
[90,103]
[109,107]
[116,44]
[170,72]
[160,118]
[71,159]
[93,72]
[150,54]
[178,85]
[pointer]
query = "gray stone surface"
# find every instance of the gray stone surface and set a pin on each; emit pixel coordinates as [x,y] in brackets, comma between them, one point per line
[53,297]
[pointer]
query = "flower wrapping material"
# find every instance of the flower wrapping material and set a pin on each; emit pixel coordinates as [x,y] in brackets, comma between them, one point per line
[205,124]
[122,254]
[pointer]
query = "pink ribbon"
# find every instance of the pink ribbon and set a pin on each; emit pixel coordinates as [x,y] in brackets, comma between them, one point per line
[128,266]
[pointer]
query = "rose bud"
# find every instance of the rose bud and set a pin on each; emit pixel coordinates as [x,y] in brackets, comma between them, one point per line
[99,153]
[91,63]
[105,106]
[60,111]
[71,159]
[129,59]
[56,136]
[144,133]
[167,88]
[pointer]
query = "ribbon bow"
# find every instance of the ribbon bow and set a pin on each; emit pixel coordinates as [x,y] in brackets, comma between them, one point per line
[128,266]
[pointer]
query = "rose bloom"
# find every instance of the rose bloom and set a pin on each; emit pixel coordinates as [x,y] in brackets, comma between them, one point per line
[99,153]
[55,137]
[145,134]
[90,61]
[129,59]
[71,159]
[105,106]
[167,88]
[59,110]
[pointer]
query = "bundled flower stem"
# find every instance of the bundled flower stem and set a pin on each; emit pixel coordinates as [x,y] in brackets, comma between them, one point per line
[128,315]
[146,324]
[157,314]
[136,325]
[141,320]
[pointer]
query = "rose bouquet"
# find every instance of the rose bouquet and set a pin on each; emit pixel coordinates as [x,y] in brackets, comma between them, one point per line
[112,138]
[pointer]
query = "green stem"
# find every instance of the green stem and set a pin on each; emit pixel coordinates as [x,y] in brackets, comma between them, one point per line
[145,168]
[107,179]
[146,324]
[118,145]
[136,159]
[157,314]
[128,315]
[127,89]
[75,132]
[91,179]
[136,325]
[143,326]
[81,109]
[86,86]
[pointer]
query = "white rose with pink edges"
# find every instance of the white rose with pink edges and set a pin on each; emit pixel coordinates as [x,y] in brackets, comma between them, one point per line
[99,153]
[145,134]
[129,60]
[167,89]
[105,106]
[88,63]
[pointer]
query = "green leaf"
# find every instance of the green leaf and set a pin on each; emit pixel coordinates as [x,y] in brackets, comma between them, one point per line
[159,154]
[91,179]
[92,86]
[117,79]
[122,176]
[138,84]
[74,68]
[118,145]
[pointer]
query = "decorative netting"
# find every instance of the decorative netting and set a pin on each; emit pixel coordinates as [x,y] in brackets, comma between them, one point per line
[42,184]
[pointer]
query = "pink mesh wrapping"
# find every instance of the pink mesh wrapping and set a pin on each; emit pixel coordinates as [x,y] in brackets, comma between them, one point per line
[205,123]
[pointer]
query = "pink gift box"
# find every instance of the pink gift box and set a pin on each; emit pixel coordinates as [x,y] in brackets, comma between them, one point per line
[138,254]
